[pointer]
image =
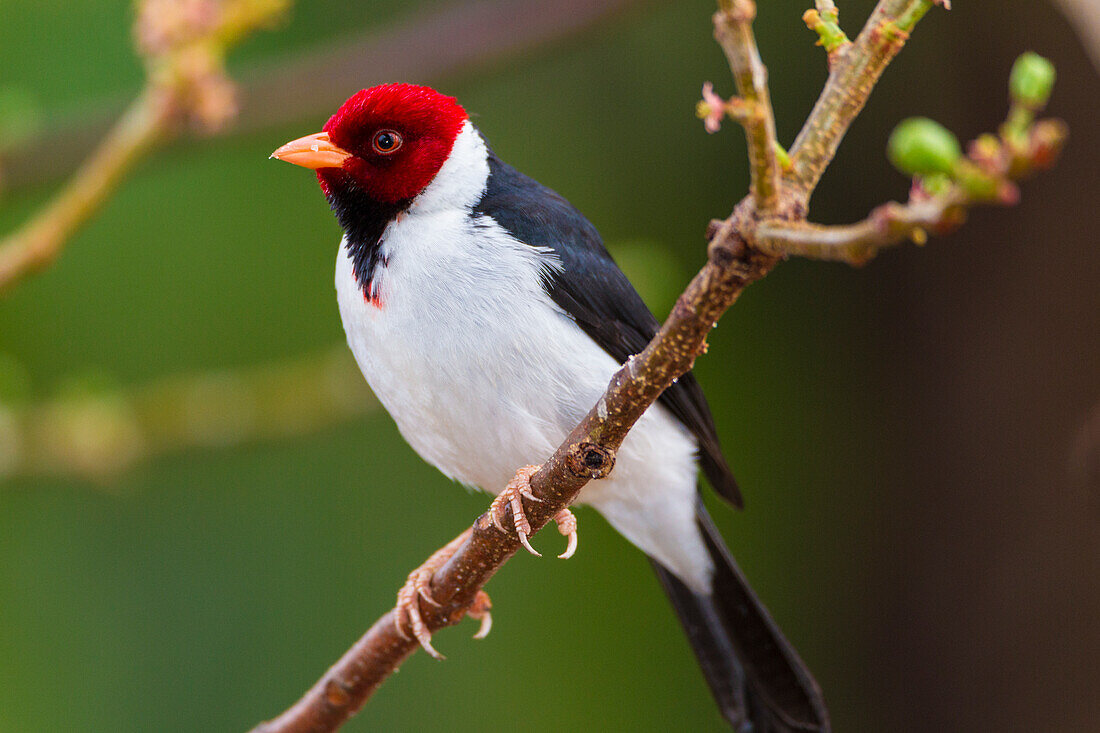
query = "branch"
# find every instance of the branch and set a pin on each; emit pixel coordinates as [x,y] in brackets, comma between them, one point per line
[824,20]
[889,224]
[946,183]
[733,31]
[95,433]
[184,48]
[855,71]
[587,453]
[1084,16]
[40,240]
[741,250]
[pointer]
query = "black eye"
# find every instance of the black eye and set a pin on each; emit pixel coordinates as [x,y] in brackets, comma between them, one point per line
[386,141]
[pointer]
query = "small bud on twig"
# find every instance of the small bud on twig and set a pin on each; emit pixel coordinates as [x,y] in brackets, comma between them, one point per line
[711,109]
[1031,81]
[920,146]
[824,22]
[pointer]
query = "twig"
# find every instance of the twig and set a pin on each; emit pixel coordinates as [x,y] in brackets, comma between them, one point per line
[184,48]
[733,31]
[853,76]
[855,244]
[824,20]
[938,202]
[40,240]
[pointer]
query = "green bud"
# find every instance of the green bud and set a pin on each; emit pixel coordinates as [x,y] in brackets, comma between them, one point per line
[920,146]
[935,184]
[1031,81]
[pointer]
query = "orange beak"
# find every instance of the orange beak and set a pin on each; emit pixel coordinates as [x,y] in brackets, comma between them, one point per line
[312,151]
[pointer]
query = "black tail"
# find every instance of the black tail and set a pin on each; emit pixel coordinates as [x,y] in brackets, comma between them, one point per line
[756,677]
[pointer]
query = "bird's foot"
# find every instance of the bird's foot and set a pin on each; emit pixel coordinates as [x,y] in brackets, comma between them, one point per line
[418,587]
[518,489]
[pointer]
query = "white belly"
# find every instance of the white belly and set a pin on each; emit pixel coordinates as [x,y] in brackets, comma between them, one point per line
[483,374]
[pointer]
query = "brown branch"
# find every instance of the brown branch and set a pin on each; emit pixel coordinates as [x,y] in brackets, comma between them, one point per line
[987,175]
[733,31]
[855,71]
[741,250]
[588,452]
[889,224]
[1084,17]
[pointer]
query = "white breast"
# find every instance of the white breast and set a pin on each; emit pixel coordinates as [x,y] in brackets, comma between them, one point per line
[483,373]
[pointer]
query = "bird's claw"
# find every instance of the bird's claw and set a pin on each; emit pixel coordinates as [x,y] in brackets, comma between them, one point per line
[408,617]
[567,525]
[479,610]
[512,496]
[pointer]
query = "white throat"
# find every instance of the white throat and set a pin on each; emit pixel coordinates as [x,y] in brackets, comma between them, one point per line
[461,179]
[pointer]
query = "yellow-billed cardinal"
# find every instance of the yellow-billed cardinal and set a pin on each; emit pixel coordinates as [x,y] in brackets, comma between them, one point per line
[488,318]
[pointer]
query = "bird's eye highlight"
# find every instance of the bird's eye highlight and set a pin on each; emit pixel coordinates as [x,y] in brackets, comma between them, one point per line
[386,141]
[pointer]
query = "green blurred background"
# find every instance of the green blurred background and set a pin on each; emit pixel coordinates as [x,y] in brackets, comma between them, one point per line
[913,438]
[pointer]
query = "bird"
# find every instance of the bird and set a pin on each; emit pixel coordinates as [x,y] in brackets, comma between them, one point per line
[488,317]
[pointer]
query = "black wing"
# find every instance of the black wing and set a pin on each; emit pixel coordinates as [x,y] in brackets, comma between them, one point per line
[594,291]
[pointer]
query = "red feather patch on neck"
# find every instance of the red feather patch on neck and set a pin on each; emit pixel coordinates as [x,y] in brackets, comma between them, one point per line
[426,121]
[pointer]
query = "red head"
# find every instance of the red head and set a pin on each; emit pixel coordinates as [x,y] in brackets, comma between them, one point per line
[389,141]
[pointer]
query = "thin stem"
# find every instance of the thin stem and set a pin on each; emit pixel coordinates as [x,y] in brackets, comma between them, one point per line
[733,31]
[888,225]
[182,77]
[40,240]
[853,76]
[825,21]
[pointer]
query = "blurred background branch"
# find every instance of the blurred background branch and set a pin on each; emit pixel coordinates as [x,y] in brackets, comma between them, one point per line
[93,429]
[184,43]
[458,37]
